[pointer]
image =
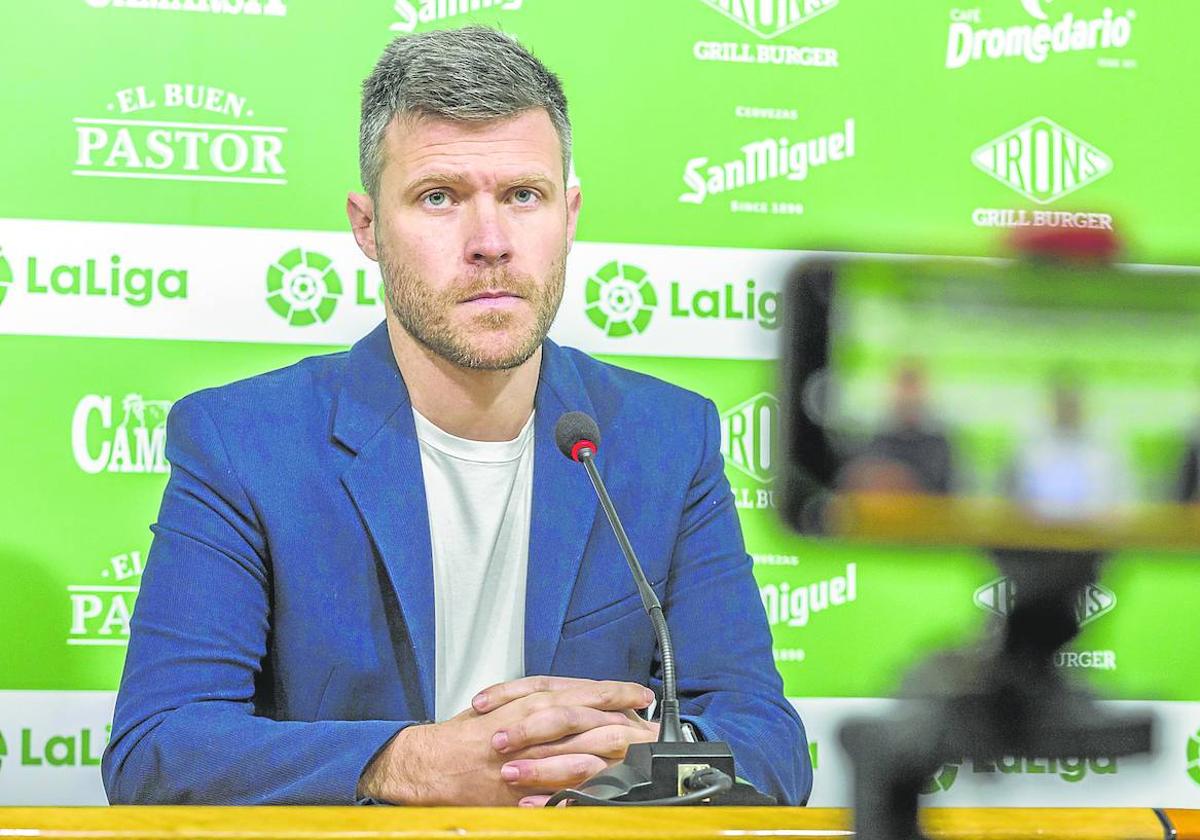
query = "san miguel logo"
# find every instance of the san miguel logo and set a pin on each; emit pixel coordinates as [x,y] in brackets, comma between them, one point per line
[767,160]
[411,13]
[1042,161]
[180,132]
[1038,38]
[770,18]
[100,612]
[129,437]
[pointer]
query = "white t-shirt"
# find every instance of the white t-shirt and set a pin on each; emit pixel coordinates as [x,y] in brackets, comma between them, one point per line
[479,495]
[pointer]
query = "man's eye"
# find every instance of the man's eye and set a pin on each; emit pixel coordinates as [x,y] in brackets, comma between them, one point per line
[437,199]
[525,196]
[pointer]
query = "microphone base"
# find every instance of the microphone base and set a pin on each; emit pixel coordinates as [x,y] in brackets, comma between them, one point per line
[656,771]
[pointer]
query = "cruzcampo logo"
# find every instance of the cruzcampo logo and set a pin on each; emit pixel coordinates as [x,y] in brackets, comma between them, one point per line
[303,288]
[620,300]
[942,779]
[769,18]
[6,276]
[1193,756]
[1042,161]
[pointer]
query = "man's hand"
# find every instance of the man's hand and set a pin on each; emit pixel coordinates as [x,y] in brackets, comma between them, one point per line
[520,741]
[559,746]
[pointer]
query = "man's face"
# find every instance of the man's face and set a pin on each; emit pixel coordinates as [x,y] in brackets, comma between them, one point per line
[472,226]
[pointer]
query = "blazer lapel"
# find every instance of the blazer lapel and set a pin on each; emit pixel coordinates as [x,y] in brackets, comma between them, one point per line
[564,510]
[373,418]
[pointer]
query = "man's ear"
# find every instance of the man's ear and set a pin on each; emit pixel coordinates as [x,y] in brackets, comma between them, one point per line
[574,199]
[360,210]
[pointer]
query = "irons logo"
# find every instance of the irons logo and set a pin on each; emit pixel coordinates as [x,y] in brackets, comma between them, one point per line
[999,595]
[1042,161]
[137,442]
[749,435]
[770,18]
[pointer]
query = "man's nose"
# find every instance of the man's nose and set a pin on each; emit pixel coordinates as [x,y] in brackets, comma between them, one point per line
[488,241]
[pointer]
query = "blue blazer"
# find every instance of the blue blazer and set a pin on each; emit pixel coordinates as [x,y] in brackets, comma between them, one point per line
[284,630]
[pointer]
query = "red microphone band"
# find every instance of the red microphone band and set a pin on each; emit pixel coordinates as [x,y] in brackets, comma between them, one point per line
[580,446]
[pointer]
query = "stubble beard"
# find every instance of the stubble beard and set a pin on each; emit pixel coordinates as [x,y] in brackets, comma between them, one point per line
[425,313]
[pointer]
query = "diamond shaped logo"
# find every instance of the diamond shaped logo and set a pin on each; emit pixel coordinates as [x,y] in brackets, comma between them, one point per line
[770,18]
[750,435]
[997,597]
[1042,161]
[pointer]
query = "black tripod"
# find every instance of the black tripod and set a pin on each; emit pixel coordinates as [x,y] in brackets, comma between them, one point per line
[984,704]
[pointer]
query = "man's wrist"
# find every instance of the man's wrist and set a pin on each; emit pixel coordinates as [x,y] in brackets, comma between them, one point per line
[397,773]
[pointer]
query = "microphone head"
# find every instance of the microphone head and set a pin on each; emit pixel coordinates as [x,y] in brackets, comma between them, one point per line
[574,432]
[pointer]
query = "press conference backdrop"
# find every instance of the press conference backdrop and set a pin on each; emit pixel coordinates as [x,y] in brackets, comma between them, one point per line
[174,173]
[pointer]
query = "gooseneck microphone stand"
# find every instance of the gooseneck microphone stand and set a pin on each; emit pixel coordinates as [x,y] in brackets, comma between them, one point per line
[671,771]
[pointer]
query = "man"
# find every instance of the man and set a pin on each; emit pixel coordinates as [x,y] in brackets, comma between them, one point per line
[912,454]
[350,549]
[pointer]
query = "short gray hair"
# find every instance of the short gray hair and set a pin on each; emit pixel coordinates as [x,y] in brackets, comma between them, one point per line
[473,74]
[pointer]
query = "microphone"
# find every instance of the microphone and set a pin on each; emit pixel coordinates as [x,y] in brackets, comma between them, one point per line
[578,437]
[672,771]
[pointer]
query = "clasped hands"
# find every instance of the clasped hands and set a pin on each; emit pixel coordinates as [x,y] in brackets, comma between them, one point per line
[518,743]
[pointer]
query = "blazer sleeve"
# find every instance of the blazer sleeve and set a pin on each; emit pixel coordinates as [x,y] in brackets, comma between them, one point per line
[729,687]
[185,729]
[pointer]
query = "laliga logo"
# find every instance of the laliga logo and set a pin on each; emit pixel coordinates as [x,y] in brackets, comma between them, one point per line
[1034,7]
[943,778]
[303,288]
[620,300]
[6,276]
[1193,756]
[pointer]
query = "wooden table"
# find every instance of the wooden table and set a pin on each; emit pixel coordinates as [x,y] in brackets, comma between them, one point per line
[296,823]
